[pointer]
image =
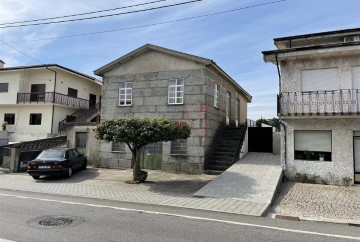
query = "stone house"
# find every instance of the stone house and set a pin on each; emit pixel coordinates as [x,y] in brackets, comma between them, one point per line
[155,82]
[318,103]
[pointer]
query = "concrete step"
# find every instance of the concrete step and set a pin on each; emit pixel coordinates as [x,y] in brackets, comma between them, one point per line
[221,158]
[219,163]
[211,172]
[224,153]
[216,168]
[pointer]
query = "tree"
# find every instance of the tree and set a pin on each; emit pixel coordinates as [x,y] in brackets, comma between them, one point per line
[137,133]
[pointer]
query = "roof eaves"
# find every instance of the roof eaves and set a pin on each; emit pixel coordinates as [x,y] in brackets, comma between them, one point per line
[218,68]
[343,31]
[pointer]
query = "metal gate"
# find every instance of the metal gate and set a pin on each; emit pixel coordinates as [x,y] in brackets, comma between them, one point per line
[151,156]
[260,139]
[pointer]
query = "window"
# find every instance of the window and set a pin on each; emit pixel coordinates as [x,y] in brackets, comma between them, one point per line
[179,147]
[313,145]
[9,118]
[4,87]
[118,147]
[237,112]
[72,92]
[216,95]
[125,94]
[35,118]
[319,80]
[176,91]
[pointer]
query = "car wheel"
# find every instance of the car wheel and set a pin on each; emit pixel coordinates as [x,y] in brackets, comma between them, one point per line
[36,177]
[83,167]
[69,172]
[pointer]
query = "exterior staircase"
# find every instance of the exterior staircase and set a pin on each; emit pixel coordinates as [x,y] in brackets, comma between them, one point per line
[225,150]
[89,116]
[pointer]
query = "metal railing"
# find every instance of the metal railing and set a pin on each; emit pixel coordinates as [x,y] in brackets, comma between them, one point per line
[52,97]
[81,116]
[334,102]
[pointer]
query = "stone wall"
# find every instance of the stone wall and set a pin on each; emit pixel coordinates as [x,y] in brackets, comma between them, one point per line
[150,100]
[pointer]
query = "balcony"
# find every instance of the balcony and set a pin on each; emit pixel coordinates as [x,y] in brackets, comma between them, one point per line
[52,97]
[321,103]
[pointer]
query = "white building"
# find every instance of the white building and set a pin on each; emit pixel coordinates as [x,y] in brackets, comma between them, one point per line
[40,101]
[319,103]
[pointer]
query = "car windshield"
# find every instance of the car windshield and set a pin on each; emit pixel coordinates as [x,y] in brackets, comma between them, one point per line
[51,154]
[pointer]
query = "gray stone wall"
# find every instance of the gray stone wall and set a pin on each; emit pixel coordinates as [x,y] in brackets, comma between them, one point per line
[150,100]
[342,164]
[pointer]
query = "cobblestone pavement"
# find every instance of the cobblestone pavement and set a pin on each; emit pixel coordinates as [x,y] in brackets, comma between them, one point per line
[318,202]
[247,189]
[161,189]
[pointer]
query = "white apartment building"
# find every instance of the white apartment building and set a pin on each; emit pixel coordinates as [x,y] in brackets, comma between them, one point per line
[36,100]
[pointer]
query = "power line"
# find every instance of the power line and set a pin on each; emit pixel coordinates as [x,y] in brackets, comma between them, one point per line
[21,52]
[150,25]
[101,16]
[80,14]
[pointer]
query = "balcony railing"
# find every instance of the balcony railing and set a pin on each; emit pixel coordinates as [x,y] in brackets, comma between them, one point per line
[51,97]
[336,102]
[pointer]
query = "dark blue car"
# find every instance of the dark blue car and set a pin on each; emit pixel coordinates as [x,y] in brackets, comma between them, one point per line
[62,161]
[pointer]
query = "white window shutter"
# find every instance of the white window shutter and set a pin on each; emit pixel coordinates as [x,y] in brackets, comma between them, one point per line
[319,80]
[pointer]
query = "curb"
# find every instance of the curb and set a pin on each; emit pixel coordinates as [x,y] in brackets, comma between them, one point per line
[323,220]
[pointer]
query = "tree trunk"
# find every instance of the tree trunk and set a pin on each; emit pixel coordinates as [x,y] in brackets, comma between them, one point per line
[136,168]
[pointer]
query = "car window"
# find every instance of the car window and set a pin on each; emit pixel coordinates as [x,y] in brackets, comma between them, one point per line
[71,155]
[76,153]
[51,154]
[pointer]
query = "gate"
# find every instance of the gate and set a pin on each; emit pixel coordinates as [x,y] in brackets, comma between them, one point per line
[260,139]
[151,156]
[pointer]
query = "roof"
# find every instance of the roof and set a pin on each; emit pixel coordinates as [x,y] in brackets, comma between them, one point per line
[137,52]
[325,46]
[343,31]
[49,66]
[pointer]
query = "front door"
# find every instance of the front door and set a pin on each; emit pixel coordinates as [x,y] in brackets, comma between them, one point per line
[37,92]
[151,156]
[92,100]
[357,159]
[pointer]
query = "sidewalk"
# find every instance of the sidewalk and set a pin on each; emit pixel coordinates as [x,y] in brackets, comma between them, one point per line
[336,204]
[164,188]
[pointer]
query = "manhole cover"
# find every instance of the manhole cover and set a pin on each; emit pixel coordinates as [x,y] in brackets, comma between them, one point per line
[55,221]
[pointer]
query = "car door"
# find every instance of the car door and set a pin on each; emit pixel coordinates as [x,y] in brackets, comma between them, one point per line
[72,160]
[78,159]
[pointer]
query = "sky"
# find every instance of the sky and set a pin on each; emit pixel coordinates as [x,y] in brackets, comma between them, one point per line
[234,40]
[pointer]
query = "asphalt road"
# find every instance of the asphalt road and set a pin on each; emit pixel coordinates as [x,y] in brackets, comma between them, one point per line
[32,217]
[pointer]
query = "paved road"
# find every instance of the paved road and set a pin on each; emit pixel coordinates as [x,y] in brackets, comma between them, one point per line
[103,220]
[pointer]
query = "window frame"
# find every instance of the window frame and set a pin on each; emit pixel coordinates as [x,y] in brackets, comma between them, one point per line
[313,155]
[176,86]
[118,151]
[216,95]
[72,91]
[30,118]
[7,119]
[185,153]
[7,87]
[125,88]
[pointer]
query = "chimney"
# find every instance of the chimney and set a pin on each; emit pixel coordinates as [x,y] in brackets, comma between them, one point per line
[2,63]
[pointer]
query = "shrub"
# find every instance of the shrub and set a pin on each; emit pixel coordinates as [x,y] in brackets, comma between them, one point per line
[346,181]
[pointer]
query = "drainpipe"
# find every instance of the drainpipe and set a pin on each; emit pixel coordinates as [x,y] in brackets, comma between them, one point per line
[280,121]
[53,101]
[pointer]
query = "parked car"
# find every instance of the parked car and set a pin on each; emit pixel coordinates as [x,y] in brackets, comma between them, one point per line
[62,161]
